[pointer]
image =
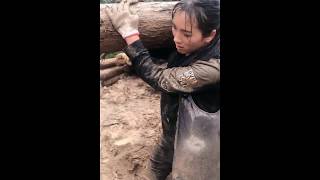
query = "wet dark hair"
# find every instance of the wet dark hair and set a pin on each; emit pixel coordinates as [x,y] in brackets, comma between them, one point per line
[206,13]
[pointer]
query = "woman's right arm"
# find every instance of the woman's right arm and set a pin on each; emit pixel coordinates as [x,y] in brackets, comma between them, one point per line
[172,80]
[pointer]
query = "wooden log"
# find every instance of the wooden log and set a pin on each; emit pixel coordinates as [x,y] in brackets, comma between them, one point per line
[113,71]
[154,27]
[120,60]
[105,63]
[112,80]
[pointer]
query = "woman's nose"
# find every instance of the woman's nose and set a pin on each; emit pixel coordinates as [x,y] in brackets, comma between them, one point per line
[177,39]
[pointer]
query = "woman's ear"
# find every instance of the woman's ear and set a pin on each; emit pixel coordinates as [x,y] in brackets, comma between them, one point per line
[211,36]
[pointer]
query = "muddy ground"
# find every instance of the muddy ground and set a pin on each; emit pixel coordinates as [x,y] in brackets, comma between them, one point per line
[130,127]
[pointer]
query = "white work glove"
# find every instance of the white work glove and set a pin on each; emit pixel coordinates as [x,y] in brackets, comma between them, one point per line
[124,20]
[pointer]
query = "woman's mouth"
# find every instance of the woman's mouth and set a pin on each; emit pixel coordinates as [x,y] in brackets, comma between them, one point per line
[179,47]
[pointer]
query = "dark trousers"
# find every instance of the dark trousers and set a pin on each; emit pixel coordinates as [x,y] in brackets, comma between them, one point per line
[162,157]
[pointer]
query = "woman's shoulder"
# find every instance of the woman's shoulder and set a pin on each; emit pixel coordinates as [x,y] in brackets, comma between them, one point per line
[210,62]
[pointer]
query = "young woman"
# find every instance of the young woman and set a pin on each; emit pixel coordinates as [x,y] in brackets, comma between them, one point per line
[189,85]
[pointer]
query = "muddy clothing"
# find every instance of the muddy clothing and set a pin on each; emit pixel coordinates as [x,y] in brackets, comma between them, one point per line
[197,75]
[200,78]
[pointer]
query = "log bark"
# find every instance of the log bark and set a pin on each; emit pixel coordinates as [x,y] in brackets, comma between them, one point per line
[119,60]
[111,81]
[106,63]
[154,27]
[112,72]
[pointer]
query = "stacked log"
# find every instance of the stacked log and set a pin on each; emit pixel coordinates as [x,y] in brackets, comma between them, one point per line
[112,69]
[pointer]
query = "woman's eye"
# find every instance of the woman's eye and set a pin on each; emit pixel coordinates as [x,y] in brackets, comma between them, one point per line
[187,35]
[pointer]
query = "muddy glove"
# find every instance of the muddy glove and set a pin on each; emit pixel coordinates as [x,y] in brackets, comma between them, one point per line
[124,20]
[122,58]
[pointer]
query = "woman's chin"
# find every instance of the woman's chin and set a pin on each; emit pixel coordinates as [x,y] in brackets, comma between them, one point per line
[181,51]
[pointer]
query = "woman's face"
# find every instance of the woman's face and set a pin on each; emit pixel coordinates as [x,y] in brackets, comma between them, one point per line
[186,41]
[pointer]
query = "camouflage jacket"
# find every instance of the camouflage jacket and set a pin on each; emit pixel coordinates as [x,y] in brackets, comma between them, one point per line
[201,79]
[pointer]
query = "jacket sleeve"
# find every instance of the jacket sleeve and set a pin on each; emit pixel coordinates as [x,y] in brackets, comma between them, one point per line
[187,79]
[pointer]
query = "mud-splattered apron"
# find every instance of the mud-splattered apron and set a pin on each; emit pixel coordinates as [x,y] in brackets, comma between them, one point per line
[197,143]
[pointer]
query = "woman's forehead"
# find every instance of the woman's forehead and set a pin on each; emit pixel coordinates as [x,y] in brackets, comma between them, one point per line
[182,19]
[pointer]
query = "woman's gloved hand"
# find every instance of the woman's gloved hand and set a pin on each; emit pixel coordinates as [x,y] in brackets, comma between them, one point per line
[124,20]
